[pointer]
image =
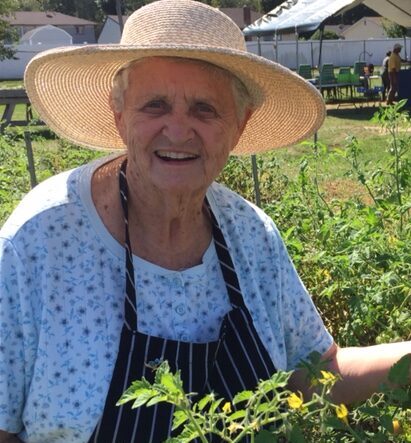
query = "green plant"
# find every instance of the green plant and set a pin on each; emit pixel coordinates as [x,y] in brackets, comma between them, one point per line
[272,413]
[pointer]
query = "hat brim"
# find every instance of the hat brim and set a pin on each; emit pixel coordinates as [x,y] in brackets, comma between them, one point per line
[70,87]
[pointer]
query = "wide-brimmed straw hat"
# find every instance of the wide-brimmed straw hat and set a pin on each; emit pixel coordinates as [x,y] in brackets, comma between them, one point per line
[69,87]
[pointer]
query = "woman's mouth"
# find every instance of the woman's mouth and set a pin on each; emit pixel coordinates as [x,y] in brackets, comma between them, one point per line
[175,156]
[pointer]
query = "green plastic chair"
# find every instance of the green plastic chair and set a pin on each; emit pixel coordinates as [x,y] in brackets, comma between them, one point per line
[359,68]
[327,74]
[355,79]
[305,71]
[344,75]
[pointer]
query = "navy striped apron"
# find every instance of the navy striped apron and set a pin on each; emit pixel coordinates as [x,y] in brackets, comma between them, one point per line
[234,362]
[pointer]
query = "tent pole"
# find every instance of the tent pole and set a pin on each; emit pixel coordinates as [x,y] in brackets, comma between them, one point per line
[321,48]
[296,48]
[276,46]
[319,68]
[254,158]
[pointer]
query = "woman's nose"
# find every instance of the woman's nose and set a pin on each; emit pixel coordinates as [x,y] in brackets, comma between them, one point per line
[178,127]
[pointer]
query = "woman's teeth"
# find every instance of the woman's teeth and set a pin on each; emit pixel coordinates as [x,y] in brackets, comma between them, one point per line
[166,155]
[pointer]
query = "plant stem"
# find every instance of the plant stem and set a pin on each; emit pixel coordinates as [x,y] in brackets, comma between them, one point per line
[194,422]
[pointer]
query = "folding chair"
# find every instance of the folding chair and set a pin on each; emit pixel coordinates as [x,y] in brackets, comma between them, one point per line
[305,71]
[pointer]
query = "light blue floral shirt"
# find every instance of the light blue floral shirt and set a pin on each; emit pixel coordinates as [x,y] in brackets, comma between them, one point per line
[61,303]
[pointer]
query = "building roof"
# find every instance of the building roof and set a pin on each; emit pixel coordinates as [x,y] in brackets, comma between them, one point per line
[48,30]
[363,21]
[338,29]
[236,14]
[35,18]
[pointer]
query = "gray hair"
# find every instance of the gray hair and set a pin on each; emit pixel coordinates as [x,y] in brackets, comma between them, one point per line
[242,98]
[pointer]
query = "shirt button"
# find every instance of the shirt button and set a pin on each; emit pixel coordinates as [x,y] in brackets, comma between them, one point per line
[181,310]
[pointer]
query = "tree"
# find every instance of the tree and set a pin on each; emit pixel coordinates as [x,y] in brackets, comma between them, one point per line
[268,5]
[87,9]
[393,30]
[27,5]
[7,33]
[253,4]
[327,35]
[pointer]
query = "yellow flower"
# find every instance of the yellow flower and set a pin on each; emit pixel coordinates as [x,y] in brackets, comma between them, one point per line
[397,428]
[295,401]
[342,413]
[227,407]
[326,275]
[255,425]
[234,427]
[328,378]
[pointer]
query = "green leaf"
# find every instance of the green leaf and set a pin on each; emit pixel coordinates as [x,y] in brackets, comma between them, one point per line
[157,399]
[215,404]
[264,437]
[167,380]
[262,407]
[132,393]
[386,423]
[242,396]
[143,398]
[179,418]
[400,371]
[335,423]
[236,415]
[296,435]
[205,401]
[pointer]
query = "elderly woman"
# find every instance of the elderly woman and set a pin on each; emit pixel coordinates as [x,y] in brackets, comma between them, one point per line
[141,257]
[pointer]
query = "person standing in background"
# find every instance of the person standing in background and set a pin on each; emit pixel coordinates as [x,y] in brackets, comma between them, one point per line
[384,76]
[394,67]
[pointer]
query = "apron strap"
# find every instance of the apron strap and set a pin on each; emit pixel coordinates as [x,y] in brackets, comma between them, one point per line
[130,308]
[226,263]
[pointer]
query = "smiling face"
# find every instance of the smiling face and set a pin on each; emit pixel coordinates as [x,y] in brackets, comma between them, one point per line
[179,123]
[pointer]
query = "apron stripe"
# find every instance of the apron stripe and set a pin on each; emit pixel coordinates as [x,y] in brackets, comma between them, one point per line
[243,386]
[225,265]
[242,347]
[259,351]
[227,394]
[190,362]
[125,385]
[142,375]
[153,425]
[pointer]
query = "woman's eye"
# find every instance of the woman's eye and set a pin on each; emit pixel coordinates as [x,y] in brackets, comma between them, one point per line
[155,107]
[205,110]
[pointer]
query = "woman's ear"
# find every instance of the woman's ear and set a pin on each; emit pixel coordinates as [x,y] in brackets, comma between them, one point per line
[117,117]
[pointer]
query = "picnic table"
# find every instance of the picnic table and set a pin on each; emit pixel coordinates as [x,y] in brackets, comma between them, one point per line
[9,98]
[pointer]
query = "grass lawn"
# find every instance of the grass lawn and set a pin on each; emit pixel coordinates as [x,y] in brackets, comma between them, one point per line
[8,84]
[338,126]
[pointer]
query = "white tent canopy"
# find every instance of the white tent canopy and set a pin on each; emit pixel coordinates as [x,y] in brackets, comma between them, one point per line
[307,15]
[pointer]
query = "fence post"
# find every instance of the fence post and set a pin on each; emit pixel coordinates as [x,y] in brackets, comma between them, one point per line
[30,159]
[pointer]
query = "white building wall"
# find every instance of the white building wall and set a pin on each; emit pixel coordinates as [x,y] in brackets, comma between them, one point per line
[365,29]
[14,69]
[110,32]
[337,52]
